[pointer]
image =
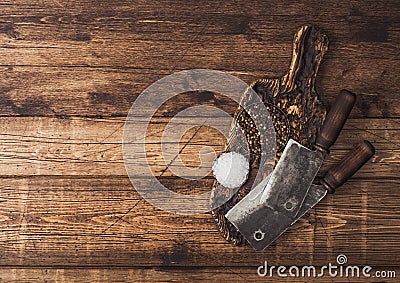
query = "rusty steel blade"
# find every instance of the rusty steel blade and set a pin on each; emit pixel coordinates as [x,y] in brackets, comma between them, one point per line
[315,194]
[250,200]
[265,218]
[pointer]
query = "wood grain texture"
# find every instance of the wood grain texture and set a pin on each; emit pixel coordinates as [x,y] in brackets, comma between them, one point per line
[159,275]
[69,73]
[89,220]
[86,146]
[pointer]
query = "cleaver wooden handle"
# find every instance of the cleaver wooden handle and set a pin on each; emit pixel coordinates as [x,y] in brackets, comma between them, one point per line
[334,121]
[350,164]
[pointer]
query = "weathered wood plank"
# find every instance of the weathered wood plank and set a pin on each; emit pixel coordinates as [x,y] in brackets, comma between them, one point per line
[48,41]
[142,17]
[84,147]
[103,221]
[44,91]
[131,45]
[153,275]
[170,6]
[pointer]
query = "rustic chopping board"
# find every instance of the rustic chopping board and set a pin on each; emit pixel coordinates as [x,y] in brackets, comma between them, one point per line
[296,112]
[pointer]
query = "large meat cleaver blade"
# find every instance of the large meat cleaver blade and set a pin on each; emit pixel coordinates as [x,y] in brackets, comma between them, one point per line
[263,221]
[337,175]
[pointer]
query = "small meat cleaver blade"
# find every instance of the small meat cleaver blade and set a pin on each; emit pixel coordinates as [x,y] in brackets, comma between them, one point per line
[263,221]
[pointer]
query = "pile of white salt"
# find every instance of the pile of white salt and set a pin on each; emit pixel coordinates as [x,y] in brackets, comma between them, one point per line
[231,169]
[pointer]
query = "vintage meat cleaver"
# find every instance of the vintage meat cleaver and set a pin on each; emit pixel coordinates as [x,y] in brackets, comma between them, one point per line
[337,175]
[263,220]
[334,178]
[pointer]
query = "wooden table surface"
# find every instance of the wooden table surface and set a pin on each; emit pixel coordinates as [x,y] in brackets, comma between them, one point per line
[70,71]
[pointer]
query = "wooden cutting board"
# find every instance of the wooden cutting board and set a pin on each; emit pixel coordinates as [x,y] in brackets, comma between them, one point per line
[296,112]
